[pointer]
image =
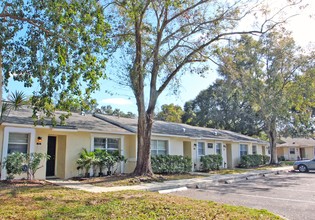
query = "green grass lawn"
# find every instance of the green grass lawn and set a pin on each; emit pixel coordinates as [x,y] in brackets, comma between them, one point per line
[52,202]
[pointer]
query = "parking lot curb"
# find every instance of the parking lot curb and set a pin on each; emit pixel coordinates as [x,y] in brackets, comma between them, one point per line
[172,190]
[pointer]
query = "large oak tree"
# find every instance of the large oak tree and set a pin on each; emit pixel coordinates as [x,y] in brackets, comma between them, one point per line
[275,77]
[162,40]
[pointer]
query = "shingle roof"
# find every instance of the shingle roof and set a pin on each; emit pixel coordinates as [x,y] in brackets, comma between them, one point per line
[182,130]
[297,142]
[74,122]
[120,125]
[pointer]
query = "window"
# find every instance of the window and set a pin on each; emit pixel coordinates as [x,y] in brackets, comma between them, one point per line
[159,147]
[108,144]
[292,150]
[210,145]
[18,142]
[243,149]
[254,149]
[218,148]
[201,148]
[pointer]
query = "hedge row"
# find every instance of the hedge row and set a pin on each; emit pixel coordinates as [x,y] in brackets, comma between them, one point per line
[253,160]
[210,162]
[170,164]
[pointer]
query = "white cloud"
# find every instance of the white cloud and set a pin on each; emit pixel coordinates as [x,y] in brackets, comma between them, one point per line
[116,101]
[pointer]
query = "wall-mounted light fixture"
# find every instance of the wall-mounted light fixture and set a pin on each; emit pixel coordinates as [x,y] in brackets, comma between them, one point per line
[39,140]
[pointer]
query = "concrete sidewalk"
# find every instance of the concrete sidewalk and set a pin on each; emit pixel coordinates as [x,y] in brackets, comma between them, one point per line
[172,184]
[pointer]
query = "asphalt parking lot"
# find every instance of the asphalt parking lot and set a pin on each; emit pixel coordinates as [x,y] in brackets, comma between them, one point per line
[290,195]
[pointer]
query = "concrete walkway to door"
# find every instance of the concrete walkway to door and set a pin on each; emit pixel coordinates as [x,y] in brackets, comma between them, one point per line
[173,184]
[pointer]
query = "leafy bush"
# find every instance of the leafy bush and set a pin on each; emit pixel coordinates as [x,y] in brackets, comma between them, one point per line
[32,162]
[211,162]
[170,164]
[13,164]
[17,163]
[111,159]
[281,158]
[99,158]
[253,160]
[86,161]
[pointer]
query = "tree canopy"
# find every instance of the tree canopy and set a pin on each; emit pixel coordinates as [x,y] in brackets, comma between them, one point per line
[222,106]
[161,40]
[275,78]
[170,113]
[59,47]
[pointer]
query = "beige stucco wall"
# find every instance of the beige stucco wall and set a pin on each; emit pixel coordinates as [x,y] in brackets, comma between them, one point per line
[176,146]
[70,144]
[1,142]
[68,147]
[130,153]
[309,152]
[208,151]
[188,149]
[235,149]
[75,143]
[235,154]
[285,151]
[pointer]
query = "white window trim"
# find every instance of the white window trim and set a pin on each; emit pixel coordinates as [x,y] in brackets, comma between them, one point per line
[7,131]
[240,149]
[215,148]
[162,139]
[204,148]
[121,148]
[253,149]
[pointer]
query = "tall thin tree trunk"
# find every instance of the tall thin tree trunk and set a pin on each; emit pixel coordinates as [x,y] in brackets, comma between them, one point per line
[145,122]
[1,82]
[272,133]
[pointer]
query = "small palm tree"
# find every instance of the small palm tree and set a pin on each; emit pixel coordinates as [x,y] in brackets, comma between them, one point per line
[101,159]
[15,101]
[113,158]
[86,161]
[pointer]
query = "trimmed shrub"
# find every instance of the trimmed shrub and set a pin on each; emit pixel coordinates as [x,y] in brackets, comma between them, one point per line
[210,162]
[248,161]
[281,158]
[168,164]
[14,164]
[17,163]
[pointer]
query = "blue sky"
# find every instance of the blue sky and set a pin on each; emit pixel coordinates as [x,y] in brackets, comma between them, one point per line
[303,31]
[302,27]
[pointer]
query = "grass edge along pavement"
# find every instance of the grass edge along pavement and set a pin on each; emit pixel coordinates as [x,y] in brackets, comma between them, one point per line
[54,202]
[129,180]
[172,184]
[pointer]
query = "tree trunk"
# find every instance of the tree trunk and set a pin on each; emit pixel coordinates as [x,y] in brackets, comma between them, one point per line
[143,167]
[1,85]
[272,133]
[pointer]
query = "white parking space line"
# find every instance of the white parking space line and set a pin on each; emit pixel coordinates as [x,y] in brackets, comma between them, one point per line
[266,197]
